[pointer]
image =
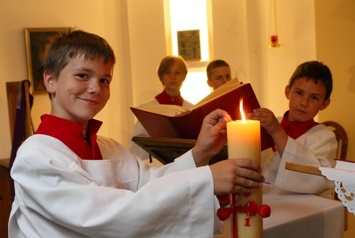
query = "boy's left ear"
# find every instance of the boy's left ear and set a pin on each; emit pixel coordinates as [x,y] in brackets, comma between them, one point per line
[209,83]
[325,104]
[49,82]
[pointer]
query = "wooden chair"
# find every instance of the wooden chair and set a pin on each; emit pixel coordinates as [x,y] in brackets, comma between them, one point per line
[341,136]
[21,127]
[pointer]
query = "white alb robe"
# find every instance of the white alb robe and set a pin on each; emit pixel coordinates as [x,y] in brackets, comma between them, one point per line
[60,195]
[316,147]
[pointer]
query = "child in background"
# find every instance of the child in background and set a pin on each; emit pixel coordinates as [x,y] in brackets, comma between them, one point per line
[70,182]
[218,73]
[172,72]
[298,138]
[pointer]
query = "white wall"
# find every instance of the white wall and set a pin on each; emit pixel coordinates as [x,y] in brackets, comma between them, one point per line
[241,36]
[296,29]
[230,36]
[335,21]
[335,24]
[147,47]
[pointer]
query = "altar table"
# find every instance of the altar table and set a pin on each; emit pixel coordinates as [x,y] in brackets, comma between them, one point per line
[292,215]
[299,216]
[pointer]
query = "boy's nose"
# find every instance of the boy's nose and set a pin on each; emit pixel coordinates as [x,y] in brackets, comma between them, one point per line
[94,86]
[305,101]
[224,80]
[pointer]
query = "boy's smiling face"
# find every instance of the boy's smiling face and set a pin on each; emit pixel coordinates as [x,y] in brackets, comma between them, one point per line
[306,99]
[81,90]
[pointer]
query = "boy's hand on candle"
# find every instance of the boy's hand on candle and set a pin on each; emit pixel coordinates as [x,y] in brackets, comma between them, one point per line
[272,126]
[267,119]
[236,176]
[212,137]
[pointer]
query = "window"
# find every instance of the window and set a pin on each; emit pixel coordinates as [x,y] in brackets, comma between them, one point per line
[187,15]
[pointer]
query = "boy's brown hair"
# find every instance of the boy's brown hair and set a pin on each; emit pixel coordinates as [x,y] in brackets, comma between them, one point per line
[68,44]
[215,64]
[168,62]
[315,71]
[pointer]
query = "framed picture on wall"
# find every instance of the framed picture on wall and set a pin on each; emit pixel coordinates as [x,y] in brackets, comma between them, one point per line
[37,42]
[189,45]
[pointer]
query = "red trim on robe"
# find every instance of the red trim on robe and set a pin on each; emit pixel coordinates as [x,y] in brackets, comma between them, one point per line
[295,129]
[71,134]
[164,98]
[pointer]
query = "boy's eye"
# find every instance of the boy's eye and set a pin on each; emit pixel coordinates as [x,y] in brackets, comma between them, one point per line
[105,81]
[82,76]
[315,98]
[298,92]
[173,72]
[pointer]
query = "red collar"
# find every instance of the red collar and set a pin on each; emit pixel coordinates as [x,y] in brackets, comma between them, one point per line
[71,134]
[296,128]
[164,98]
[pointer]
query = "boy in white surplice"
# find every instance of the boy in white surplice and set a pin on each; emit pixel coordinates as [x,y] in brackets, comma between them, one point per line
[298,138]
[69,182]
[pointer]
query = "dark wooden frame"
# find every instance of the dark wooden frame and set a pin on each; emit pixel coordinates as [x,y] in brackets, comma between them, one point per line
[189,45]
[36,42]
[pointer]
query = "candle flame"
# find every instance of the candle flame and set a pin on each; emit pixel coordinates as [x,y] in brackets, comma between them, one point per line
[242,111]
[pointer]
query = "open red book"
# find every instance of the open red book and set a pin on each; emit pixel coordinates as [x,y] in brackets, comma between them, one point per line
[171,121]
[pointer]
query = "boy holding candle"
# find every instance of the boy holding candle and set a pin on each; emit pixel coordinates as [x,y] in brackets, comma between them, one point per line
[298,138]
[70,182]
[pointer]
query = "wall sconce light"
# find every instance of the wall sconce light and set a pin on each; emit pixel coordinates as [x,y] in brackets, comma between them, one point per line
[274,41]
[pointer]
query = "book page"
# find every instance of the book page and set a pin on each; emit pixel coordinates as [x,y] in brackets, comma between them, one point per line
[174,110]
[230,85]
[164,109]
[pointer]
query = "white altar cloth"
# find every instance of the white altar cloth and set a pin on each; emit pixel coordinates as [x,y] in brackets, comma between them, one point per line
[298,215]
[343,176]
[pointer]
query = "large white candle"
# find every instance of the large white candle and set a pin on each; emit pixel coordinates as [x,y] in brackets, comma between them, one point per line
[243,137]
